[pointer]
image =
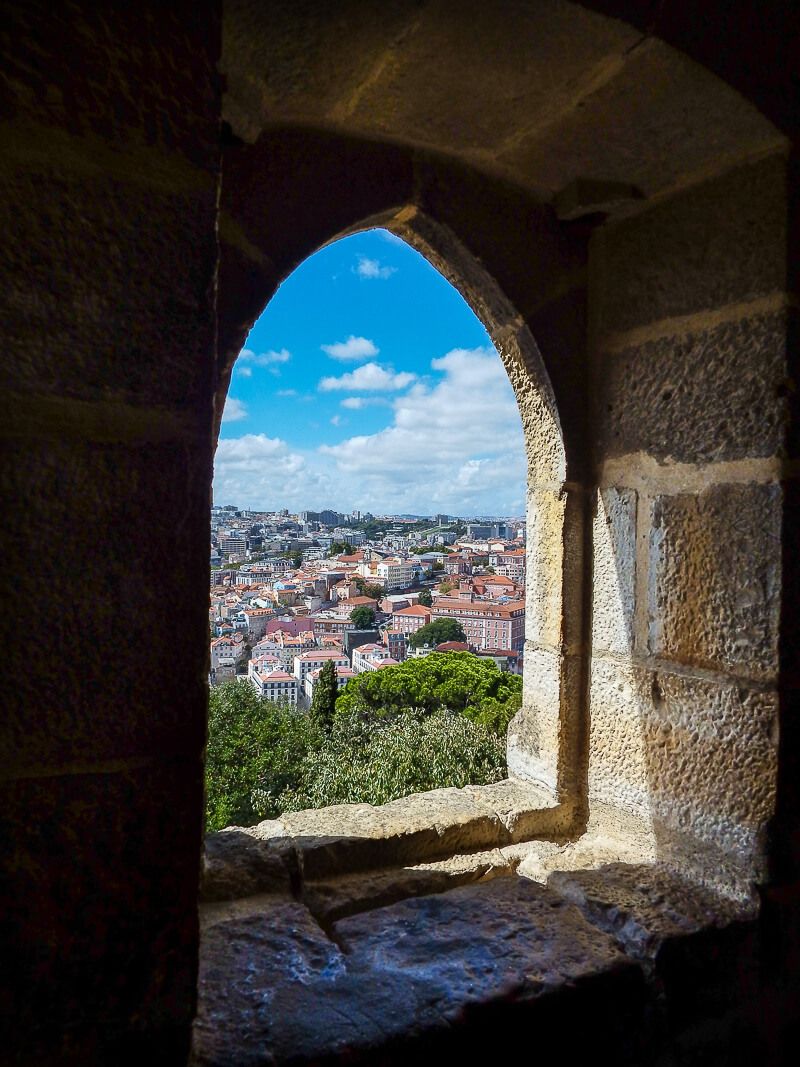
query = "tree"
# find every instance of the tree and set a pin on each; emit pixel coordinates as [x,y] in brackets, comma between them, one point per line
[341,548]
[457,681]
[445,586]
[438,565]
[425,598]
[323,703]
[243,658]
[437,632]
[363,617]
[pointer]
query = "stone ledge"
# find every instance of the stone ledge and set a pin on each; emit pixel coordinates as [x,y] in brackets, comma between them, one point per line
[340,840]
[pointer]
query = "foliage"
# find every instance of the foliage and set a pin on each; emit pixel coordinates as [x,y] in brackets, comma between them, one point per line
[438,565]
[426,724]
[323,703]
[425,598]
[456,681]
[365,588]
[367,762]
[251,740]
[446,587]
[363,617]
[341,548]
[437,632]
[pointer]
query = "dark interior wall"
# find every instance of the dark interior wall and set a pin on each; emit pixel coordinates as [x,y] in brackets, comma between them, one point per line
[108,261]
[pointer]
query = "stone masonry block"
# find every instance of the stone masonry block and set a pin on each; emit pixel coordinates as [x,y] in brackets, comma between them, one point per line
[108,541]
[99,921]
[722,242]
[715,394]
[99,303]
[614,570]
[697,757]
[714,579]
[545,569]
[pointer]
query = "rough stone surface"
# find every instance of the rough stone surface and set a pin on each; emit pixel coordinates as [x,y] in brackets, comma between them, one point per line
[275,989]
[614,571]
[714,579]
[544,573]
[236,864]
[721,242]
[99,914]
[697,758]
[712,394]
[105,633]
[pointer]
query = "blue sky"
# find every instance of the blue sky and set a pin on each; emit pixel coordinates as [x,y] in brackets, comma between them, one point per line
[369,383]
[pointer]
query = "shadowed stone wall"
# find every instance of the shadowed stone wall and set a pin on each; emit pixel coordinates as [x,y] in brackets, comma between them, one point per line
[108,259]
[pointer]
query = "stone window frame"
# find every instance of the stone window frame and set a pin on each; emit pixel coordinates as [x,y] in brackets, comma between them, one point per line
[546,795]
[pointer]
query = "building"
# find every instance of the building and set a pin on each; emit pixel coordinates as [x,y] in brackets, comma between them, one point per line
[343,676]
[272,683]
[309,661]
[409,620]
[372,656]
[509,563]
[486,624]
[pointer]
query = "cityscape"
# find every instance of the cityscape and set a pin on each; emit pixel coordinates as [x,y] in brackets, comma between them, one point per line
[291,592]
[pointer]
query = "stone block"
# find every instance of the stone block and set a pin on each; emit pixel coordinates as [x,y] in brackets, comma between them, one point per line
[434,974]
[236,865]
[714,579]
[614,570]
[99,923]
[696,758]
[544,574]
[714,394]
[109,283]
[721,242]
[110,656]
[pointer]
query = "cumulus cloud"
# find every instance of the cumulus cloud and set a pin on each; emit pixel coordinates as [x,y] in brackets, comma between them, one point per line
[461,438]
[453,445]
[264,359]
[353,348]
[234,410]
[373,268]
[246,372]
[336,420]
[371,377]
[286,392]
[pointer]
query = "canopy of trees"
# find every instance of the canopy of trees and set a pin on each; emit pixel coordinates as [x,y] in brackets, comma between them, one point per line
[341,548]
[437,632]
[457,681]
[264,758]
[363,617]
[425,598]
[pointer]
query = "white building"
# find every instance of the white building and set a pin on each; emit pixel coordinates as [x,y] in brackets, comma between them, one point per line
[314,660]
[274,684]
[370,657]
[343,676]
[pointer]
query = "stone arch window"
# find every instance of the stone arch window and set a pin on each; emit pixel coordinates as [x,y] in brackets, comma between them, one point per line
[543,744]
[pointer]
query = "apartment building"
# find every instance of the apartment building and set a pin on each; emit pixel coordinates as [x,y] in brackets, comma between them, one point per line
[370,657]
[343,676]
[486,624]
[310,661]
[409,620]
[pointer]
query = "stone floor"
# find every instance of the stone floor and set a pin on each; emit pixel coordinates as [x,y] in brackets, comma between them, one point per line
[463,958]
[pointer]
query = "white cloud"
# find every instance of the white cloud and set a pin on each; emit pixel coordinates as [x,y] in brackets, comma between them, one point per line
[246,372]
[356,403]
[286,392]
[372,268]
[455,445]
[371,377]
[352,349]
[336,420]
[234,410]
[264,359]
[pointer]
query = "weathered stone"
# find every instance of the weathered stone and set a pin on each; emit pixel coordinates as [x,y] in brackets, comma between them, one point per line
[99,892]
[337,898]
[721,242]
[713,583]
[275,989]
[236,864]
[544,605]
[642,907]
[614,571]
[115,677]
[708,395]
[677,750]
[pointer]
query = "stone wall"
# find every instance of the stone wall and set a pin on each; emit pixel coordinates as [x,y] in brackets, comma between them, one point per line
[108,260]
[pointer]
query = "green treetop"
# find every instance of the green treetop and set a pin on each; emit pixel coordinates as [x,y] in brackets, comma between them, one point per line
[437,632]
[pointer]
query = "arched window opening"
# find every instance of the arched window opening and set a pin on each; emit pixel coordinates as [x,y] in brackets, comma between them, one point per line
[368,541]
